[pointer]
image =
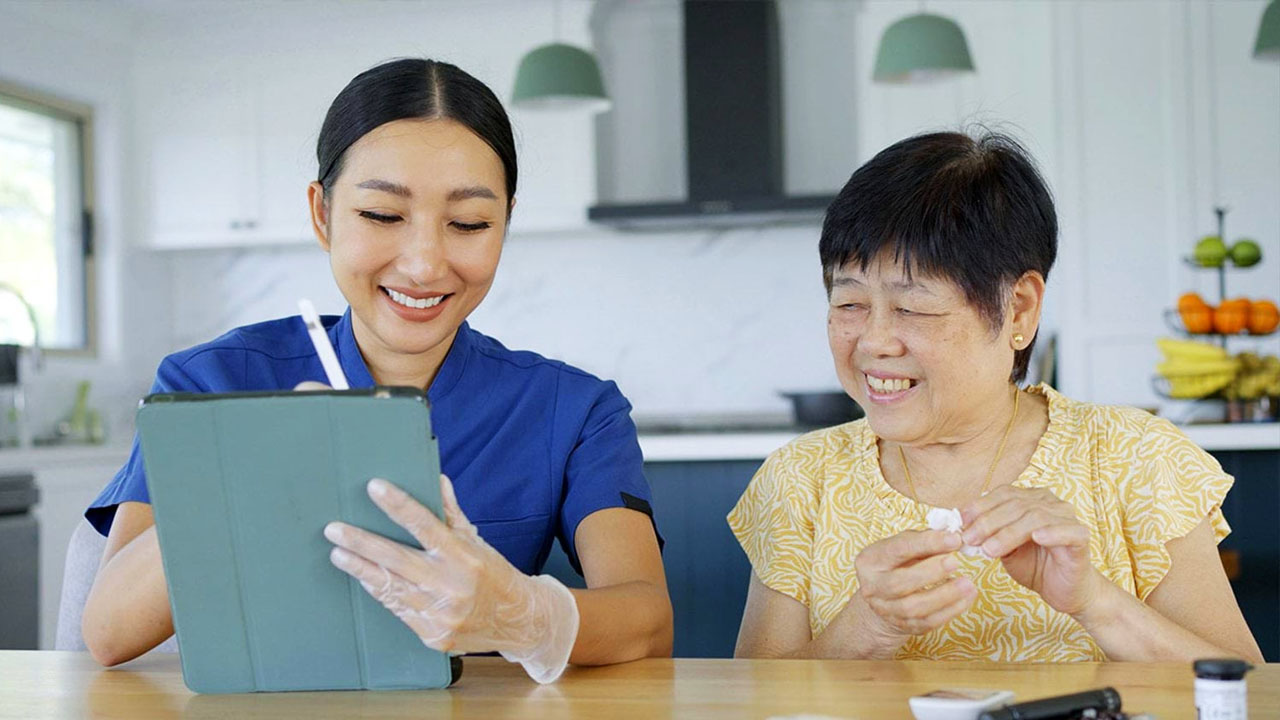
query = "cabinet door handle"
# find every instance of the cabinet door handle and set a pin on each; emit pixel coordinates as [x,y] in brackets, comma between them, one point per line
[235,224]
[251,224]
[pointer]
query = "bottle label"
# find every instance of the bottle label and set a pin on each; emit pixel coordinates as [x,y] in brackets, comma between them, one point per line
[1221,699]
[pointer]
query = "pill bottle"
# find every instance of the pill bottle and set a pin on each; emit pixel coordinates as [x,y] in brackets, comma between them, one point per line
[1220,689]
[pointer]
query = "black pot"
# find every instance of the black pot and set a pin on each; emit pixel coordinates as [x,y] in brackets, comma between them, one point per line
[822,409]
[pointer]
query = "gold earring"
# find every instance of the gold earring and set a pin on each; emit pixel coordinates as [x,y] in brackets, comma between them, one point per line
[1017,341]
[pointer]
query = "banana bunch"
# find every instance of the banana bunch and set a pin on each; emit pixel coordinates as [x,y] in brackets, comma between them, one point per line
[1258,376]
[1195,369]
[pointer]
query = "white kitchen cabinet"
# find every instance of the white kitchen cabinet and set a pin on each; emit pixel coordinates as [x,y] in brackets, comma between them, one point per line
[293,94]
[225,148]
[68,479]
[229,98]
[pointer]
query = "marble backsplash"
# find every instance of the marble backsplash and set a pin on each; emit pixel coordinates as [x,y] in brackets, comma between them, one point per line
[694,323]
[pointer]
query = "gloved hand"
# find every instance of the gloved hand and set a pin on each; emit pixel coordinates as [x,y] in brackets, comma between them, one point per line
[458,593]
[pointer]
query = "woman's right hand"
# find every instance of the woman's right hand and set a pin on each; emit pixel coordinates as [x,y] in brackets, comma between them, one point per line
[906,588]
[457,592]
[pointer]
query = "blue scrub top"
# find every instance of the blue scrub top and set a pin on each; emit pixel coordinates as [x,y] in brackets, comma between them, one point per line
[532,445]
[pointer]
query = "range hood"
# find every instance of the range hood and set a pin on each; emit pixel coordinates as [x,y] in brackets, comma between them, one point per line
[733,124]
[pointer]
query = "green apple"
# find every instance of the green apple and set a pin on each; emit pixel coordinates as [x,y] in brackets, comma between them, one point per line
[1210,251]
[1245,252]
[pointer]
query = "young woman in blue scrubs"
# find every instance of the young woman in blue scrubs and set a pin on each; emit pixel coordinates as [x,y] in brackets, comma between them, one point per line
[417,179]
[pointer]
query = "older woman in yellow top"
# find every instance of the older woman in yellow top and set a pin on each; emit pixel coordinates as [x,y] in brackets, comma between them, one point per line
[1084,532]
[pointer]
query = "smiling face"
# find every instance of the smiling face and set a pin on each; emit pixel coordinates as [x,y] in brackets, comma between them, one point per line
[923,362]
[414,228]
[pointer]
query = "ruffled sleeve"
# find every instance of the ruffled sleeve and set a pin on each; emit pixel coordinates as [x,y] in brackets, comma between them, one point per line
[774,523]
[1172,488]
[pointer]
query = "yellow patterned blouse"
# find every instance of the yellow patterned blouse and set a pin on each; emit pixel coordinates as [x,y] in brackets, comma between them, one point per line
[1136,482]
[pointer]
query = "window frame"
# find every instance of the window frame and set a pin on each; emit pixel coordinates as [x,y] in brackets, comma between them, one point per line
[81,115]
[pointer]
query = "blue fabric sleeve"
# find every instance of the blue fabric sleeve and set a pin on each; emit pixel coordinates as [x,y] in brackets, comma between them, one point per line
[605,469]
[130,483]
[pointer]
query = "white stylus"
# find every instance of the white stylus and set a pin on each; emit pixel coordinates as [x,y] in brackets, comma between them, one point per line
[320,339]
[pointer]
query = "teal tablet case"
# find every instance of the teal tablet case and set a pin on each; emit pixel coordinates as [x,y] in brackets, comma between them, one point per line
[242,487]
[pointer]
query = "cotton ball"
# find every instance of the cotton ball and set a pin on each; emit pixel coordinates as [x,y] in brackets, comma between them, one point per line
[950,520]
[944,519]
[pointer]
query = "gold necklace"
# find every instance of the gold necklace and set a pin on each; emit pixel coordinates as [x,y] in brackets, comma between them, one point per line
[1017,394]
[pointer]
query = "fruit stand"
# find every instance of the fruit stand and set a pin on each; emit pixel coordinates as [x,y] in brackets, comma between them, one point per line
[1200,365]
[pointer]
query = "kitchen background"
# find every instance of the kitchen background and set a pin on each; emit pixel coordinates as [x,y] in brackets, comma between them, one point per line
[1144,115]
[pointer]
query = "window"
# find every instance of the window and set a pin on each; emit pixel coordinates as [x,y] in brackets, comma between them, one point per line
[45,222]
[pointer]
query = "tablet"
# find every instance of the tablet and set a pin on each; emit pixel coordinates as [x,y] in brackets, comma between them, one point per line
[242,486]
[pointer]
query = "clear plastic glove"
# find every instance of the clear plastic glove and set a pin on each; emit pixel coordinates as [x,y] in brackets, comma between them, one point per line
[458,593]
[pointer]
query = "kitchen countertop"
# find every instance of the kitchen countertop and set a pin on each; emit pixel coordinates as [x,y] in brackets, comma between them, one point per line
[674,445]
[666,442]
[27,459]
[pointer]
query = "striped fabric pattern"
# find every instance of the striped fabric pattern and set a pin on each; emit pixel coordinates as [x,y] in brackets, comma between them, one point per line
[1135,480]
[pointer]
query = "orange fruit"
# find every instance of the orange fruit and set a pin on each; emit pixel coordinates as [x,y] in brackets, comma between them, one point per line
[1263,317]
[1196,315]
[1230,317]
[1197,319]
[1190,301]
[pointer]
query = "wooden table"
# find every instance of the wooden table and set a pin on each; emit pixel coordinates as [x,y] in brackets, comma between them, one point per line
[37,685]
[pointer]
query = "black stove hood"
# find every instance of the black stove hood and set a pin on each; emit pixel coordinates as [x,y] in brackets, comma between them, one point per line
[742,212]
[733,124]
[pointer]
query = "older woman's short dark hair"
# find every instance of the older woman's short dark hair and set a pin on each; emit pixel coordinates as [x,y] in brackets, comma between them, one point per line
[974,211]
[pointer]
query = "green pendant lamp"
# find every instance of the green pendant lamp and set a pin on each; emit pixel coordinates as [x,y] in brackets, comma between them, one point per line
[1267,46]
[921,48]
[560,76]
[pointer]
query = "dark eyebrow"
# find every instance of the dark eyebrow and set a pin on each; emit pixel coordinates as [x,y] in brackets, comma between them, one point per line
[900,285]
[463,193]
[474,191]
[386,186]
[909,286]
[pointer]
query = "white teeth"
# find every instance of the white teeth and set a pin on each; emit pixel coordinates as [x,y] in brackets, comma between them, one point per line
[418,303]
[891,385]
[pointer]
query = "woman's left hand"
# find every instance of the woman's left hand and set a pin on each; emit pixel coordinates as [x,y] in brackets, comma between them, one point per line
[458,593]
[1041,543]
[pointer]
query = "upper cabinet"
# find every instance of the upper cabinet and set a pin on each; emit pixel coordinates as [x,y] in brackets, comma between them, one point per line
[229,99]
[226,148]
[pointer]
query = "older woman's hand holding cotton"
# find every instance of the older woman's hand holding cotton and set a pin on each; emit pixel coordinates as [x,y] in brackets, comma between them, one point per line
[458,593]
[1042,544]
